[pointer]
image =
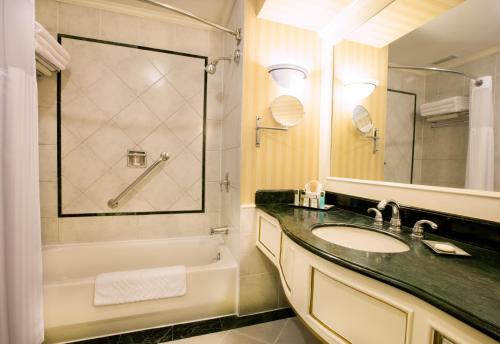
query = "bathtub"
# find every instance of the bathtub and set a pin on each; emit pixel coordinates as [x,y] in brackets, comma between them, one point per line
[70,272]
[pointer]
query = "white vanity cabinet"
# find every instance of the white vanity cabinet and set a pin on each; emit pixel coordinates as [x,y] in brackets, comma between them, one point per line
[268,236]
[343,306]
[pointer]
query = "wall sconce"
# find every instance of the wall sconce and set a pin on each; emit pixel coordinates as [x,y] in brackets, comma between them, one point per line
[286,75]
[360,89]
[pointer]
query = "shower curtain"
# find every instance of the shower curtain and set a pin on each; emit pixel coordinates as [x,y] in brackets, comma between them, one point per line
[480,155]
[21,316]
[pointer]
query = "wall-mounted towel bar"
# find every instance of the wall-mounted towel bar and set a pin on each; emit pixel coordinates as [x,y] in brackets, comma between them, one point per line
[113,202]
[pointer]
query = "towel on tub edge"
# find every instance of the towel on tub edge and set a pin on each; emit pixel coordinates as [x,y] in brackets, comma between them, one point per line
[139,285]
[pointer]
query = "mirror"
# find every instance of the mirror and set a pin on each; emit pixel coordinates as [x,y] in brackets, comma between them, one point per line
[427,120]
[362,120]
[287,110]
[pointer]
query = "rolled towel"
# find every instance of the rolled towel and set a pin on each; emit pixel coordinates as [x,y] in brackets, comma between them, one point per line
[47,55]
[139,285]
[41,32]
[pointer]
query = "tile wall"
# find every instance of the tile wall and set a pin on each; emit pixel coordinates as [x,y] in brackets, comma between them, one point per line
[117,98]
[60,17]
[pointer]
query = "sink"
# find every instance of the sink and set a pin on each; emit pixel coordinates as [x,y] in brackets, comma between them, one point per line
[360,239]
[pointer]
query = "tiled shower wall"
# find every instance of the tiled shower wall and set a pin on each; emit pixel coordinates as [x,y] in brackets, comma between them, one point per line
[116,98]
[59,17]
[441,153]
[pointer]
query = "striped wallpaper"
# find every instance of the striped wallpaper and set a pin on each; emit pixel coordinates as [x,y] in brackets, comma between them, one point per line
[284,159]
[352,155]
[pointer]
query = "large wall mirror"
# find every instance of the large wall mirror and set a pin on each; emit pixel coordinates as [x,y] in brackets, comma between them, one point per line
[435,128]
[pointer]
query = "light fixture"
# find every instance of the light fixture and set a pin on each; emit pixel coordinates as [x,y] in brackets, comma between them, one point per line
[286,75]
[361,88]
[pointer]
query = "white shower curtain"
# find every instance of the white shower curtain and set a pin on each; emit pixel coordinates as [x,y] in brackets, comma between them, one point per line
[480,155]
[21,316]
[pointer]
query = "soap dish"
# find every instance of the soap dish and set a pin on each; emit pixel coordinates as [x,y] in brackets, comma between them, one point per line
[455,251]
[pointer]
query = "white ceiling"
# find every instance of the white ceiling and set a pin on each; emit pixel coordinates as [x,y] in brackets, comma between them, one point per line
[464,30]
[214,10]
[310,15]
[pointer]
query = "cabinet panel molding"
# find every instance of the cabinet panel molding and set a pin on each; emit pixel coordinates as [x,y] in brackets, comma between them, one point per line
[341,308]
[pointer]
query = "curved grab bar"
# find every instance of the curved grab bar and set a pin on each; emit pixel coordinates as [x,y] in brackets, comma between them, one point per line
[113,202]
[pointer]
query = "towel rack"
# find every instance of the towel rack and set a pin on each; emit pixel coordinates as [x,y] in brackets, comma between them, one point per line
[113,202]
[459,118]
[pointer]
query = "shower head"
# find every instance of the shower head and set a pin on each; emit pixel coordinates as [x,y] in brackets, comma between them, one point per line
[211,68]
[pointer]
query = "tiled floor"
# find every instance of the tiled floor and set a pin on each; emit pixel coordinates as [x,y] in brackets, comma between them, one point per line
[285,331]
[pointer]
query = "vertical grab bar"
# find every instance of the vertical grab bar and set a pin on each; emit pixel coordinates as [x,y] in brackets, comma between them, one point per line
[113,202]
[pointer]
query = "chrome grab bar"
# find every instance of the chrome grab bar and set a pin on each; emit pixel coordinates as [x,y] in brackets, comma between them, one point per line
[113,202]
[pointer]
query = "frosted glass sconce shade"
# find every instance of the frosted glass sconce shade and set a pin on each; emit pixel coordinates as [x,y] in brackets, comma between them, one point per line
[286,75]
[360,89]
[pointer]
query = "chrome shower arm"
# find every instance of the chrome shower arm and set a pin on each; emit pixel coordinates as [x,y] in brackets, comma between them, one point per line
[236,33]
[477,82]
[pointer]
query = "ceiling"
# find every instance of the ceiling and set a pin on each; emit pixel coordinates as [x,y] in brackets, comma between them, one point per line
[214,10]
[372,22]
[311,15]
[467,29]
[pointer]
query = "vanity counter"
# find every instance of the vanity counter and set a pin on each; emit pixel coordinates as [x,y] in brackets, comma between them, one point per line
[467,288]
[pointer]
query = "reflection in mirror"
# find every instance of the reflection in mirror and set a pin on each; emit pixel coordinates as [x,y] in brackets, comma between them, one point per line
[362,120]
[440,127]
[287,110]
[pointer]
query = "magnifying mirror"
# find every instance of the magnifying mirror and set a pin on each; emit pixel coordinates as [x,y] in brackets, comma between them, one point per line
[287,110]
[362,120]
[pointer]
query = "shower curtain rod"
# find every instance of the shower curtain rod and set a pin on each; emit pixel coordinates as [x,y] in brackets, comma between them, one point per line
[236,33]
[477,82]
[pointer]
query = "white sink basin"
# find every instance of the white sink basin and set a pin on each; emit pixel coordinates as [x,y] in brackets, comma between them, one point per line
[360,239]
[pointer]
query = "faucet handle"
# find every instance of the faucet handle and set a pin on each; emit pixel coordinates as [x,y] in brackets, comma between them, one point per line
[418,228]
[378,216]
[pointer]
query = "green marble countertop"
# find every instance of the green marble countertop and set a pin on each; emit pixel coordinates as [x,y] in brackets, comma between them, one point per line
[467,288]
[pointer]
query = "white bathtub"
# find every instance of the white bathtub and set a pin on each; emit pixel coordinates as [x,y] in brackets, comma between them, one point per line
[70,271]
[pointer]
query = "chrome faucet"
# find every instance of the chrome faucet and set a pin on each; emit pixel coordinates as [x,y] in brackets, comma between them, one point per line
[395,224]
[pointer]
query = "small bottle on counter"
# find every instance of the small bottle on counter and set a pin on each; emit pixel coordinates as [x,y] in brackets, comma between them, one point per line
[296,197]
[321,202]
[313,202]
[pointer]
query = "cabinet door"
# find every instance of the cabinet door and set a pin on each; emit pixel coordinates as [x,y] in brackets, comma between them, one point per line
[268,236]
[287,264]
[353,315]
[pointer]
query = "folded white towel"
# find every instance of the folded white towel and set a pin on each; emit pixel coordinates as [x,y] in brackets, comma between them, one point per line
[445,110]
[446,101]
[47,47]
[47,56]
[138,285]
[41,32]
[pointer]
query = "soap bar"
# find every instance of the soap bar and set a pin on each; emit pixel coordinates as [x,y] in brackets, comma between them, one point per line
[444,248]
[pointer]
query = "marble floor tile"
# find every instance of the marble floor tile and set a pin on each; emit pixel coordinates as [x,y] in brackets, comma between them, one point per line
[284,331]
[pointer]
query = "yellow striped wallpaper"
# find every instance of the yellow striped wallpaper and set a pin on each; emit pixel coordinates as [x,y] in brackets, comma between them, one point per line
[352,155]
[284,159]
